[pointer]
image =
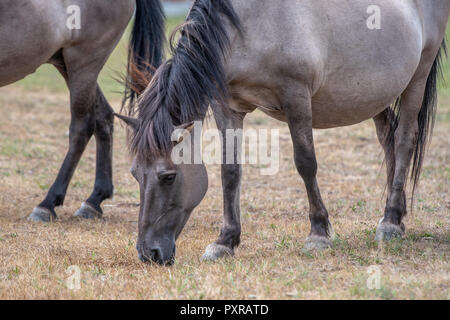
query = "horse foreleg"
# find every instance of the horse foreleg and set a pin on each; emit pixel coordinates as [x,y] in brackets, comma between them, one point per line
[299,115]
[230,232]
[103,187]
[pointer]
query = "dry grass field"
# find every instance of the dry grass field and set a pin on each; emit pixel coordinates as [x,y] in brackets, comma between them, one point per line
[269,264]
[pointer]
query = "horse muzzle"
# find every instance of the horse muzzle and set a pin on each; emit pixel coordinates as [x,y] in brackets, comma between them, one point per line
[163,255]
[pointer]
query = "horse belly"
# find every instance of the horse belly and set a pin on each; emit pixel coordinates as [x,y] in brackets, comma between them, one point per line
[352,96]
[15,67]
[367,70]
[332,107]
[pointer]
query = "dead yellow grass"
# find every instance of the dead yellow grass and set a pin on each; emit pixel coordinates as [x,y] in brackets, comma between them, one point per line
[269,264]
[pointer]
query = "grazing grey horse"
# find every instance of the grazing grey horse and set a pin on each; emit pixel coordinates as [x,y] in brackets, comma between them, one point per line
[34,32]
[310,63]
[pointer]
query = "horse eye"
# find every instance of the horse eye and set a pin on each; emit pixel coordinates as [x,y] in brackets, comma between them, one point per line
[167,177]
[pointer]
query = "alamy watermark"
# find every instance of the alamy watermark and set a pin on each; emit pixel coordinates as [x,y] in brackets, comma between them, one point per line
[259,147]
[73,21]
[73,282]
[374,278]
[374,20]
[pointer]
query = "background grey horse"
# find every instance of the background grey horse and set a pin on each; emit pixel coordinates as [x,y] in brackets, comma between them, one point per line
[311,63]
[34,32]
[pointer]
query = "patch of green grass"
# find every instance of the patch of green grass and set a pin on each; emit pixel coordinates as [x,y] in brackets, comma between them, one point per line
[444,86]
[98,271]
[126,192]
[359,207]
[10,149]
[395,246]
[354,253]
[443,116]
[285,242]
[43,186]
[22,148]
[15,271]
[369,236]
[340,244]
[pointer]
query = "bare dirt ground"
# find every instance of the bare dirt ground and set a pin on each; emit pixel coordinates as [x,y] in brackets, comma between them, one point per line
[34,258]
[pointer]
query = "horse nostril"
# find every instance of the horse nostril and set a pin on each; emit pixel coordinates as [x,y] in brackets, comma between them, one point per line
[144,258]
[156,256]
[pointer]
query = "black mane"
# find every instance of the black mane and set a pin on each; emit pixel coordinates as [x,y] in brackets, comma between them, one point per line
[183,87]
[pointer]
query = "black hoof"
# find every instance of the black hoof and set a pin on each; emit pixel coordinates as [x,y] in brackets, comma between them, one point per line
[87,212]
[40,214]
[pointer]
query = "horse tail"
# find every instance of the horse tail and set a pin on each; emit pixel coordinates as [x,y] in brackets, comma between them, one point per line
[426,120]
[427,115]
[146,49]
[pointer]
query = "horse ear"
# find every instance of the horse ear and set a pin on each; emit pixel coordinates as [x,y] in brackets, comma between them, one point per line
[131,122]
[180,132]
[187,126]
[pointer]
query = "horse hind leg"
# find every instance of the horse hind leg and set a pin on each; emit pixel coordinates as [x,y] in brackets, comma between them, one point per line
[385,123]
[399,152]
[103,187]
[417,109]
[81,79]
